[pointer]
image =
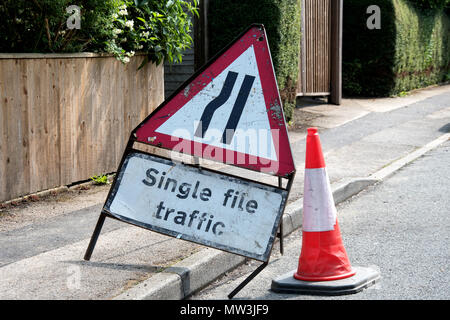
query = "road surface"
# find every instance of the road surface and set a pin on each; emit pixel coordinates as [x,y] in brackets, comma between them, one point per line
[400,226]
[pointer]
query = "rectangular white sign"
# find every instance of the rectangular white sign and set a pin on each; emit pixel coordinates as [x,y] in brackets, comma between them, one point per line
[196,204]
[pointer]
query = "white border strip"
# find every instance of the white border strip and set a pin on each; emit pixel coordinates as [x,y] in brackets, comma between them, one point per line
[396,165]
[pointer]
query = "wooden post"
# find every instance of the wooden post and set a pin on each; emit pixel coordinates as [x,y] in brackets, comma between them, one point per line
[201,39]
[302,77]
[336,51]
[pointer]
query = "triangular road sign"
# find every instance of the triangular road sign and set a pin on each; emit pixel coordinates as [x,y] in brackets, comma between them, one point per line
[229,111]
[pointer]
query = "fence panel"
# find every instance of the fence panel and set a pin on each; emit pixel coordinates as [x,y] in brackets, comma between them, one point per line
[65,118]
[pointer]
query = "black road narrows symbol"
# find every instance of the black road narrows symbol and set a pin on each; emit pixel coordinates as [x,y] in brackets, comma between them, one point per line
[215,104]
[223,97]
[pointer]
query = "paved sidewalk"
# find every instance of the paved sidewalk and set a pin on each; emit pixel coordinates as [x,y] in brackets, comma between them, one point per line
[42,243]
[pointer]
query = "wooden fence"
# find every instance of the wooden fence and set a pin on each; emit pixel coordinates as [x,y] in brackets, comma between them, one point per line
[65,118]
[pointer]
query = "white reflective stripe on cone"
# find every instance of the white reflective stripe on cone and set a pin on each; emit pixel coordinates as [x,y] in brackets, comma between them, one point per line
[319,212]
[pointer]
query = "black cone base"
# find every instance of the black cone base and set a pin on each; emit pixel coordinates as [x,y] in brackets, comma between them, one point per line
[364,277]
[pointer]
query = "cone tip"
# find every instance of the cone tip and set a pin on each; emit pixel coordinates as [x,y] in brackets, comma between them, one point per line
[314,157]
[312,131]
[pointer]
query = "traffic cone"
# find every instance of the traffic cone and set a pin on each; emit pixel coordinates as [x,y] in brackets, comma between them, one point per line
[323,266]
[323,256]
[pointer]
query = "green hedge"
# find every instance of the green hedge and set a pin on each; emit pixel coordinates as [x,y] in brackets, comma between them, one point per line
[411,50]
[423,47]
[281,18]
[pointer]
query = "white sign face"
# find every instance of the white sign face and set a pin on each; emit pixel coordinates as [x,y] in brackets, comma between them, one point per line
[198,205]
[253,132]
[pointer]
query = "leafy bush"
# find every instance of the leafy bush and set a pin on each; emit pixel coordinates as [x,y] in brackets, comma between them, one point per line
[281,18]
[121,27]
[161,28]
[422,47]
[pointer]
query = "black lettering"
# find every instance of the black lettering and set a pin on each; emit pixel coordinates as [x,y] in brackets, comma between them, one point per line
[183,190]
[252,204]
[180,218]
[214,229]
[152,178]
[168,211]
[241,201]
[233,203]
[227,196]
[168,181]
[161,181]
[160,207]
[205,194]
[192,216]
[201,220]
[209,223]
[194,194]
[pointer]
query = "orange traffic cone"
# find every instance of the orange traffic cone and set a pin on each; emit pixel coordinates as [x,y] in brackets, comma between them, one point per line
[323,267]
[323,256]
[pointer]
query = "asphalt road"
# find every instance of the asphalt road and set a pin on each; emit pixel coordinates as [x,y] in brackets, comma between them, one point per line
[400,226]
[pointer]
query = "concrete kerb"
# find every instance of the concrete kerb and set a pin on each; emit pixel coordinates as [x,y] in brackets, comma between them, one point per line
[398,164]
[197,271]
[185,277]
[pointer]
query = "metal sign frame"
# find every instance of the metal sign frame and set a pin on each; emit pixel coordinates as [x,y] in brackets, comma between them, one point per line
[130,149]
[205,172]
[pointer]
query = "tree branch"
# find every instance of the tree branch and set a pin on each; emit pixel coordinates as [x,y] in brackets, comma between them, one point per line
[48,34]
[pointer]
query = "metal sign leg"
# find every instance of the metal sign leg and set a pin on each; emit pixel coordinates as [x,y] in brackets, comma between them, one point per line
[98,228]
[280,235]
[247,280]
[101,219]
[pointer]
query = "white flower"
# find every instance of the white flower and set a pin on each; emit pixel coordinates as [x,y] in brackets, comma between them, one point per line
[131,53]
[130,24]
[123,7]
[141,47]
[117,31]
[123,12]
[145,34]
[115,15]
[126,60]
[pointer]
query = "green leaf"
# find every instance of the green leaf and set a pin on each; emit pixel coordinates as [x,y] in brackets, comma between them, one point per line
[102,179]
[142,19]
